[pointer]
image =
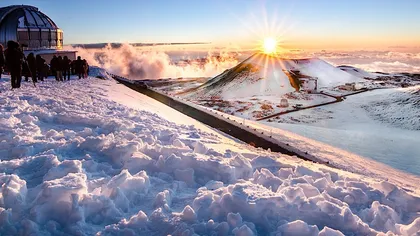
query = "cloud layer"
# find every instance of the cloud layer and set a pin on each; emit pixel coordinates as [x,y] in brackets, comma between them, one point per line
[153,62]
[382,61]
[137,64]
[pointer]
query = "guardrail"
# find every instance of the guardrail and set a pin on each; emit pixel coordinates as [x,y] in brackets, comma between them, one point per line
[223,123]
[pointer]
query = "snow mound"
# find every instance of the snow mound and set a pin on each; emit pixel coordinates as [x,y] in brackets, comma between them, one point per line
[265,75]
[99,73]
[77,161]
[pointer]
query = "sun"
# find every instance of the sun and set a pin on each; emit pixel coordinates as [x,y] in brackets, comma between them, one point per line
[270,45]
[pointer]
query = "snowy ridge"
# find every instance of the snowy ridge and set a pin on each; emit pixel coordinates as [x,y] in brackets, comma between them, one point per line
[264,75]
[92,157]
[358,72]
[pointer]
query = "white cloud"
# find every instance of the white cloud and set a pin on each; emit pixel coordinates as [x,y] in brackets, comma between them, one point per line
[136,64]
[395,66]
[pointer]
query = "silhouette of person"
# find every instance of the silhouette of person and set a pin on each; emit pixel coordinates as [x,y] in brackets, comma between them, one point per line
[53,65]
[59,68]
[14,59]
[85,69]
[40,67]
[79,67]
[32,66]
[66,67]
[2,61]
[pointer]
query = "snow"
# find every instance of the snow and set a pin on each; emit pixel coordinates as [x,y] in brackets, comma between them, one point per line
[91,156]
[359,72]
[335,156]
[381,125]
[400,108]
[258,107]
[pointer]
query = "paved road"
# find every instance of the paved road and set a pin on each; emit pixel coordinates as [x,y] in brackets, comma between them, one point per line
[337,99]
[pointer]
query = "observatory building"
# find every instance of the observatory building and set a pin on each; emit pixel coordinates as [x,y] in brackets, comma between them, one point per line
[34,30]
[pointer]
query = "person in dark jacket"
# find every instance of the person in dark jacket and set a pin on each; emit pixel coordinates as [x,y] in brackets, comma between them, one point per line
[40,62]
[32,66]
[66,67]
[73,67]
[25,69]
[14,59]
[59,68]
[53,66]
[2,61]
[46,70]
[79,67]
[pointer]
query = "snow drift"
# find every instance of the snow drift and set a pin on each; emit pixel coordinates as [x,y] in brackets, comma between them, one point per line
[266,75]
[92,157]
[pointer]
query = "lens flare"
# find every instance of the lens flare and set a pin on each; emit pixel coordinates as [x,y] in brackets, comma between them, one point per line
[270,45]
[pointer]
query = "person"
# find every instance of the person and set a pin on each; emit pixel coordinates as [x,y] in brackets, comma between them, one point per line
[40,62]
[85,69]
[14,59]
[59,68]
[2,62]
[32,66]
[53,65]
[25,69]
[73,67]
[66,67]
[45,70]
[79,67]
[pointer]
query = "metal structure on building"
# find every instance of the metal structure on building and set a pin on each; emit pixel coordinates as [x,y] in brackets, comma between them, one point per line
[30,27]
[33,30]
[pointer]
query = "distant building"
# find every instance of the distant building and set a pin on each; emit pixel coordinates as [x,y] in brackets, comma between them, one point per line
[34,30]
[348,87]
[284,102]
[309,84]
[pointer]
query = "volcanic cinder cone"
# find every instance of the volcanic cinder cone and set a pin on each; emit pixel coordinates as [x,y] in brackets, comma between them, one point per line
[267,75]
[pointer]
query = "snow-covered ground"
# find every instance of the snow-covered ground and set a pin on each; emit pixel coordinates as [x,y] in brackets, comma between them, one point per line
[93,157]
[381,125]
[400,108]
[260,106]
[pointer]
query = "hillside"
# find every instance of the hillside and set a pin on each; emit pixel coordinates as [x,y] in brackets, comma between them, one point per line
[265,75]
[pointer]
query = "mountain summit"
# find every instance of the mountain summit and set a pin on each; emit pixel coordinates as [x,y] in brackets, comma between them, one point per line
[267,75]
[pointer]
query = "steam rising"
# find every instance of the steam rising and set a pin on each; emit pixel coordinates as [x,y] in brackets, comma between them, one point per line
[136,64]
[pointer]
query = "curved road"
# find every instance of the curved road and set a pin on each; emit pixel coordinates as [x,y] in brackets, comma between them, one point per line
[337,99]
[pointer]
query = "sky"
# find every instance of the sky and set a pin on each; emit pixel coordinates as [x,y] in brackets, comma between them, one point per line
[320,24]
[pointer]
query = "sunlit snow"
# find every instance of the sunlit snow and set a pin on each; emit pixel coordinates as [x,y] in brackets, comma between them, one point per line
[91,156]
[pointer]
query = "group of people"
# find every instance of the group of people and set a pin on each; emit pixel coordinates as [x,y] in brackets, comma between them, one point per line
[36,67]
[63,66]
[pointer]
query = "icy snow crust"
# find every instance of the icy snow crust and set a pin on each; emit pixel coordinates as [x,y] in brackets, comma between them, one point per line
[264,75]
[92,157]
